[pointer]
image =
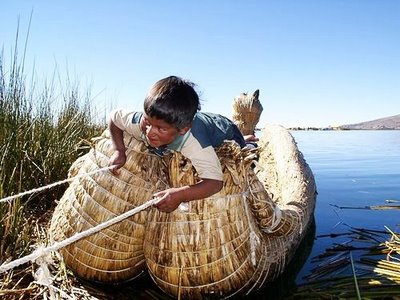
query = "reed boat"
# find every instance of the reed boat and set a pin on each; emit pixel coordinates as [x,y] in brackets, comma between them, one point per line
[229,244]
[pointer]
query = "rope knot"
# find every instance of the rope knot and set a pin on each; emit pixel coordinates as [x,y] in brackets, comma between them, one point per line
[42,256]
[42,275]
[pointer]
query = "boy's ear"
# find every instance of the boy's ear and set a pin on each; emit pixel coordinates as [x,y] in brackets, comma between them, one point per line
[184,130]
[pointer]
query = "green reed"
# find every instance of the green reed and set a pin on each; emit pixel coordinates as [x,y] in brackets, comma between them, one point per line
[42,131]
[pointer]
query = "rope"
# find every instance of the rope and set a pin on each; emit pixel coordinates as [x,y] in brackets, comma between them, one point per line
[253,238]
[42,275]
[41,252]
[53,184]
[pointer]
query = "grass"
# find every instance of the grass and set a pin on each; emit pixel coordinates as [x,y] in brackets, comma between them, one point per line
[42,132]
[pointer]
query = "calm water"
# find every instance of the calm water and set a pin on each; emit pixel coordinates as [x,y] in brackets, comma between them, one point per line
[351,168]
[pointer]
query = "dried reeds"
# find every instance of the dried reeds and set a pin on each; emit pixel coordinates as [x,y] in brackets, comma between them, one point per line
[41,130]
[247,110]
[116,253]
[230,243]
[373,275]
[207,250]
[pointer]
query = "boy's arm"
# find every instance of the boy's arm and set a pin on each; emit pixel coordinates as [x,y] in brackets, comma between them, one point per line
[119,157]
[171,198]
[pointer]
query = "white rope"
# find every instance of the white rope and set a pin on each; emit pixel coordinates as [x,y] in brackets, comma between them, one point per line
[253,238]
[53,184]
[42,275]
[58,245]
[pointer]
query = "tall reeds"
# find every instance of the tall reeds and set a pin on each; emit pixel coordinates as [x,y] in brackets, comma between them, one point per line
[42,131]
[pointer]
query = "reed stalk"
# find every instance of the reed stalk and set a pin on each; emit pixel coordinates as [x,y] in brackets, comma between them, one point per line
[42,131]
[374,274]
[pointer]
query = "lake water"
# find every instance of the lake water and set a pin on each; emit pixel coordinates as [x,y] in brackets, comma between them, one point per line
[351,169]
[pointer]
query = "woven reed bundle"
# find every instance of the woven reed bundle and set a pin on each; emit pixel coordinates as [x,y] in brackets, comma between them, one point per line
[288,181]
[217,247]
[116,253]
[231,243]
[247,110]
[206,251]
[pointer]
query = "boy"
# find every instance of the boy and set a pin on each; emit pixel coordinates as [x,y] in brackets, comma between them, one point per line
[171,121]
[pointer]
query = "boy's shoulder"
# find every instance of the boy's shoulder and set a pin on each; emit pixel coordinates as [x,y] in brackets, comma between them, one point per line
[136,116]
[210,120]
[124,114]
[128,121]
[211,129]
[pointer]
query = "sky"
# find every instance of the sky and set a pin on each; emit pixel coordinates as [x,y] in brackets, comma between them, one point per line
[316,63]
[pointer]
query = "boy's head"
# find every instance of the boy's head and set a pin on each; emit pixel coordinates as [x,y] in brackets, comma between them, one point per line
[172,100]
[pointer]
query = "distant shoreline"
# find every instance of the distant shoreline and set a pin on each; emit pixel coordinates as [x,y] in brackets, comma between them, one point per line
[387,123]
[338,129]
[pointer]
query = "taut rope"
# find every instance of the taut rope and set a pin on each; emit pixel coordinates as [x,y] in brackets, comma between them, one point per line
[42,252]
[46,187]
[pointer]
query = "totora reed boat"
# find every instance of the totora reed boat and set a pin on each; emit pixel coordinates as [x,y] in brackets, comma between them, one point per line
[229,244]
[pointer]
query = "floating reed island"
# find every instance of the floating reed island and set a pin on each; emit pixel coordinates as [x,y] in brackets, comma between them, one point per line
[229,244]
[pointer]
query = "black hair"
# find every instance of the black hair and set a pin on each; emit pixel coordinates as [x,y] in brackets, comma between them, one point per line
[172,100]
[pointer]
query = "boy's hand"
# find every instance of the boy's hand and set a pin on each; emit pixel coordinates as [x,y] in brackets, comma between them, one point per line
[118,159]
[250,138]
[169,200]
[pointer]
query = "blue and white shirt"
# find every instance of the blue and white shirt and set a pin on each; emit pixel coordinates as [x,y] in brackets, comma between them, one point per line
[207,131]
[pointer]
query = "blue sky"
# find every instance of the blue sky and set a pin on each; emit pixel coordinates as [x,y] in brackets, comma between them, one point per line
[316,63]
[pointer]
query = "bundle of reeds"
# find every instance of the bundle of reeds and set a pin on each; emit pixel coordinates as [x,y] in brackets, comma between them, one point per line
[206,251]
[116,253]
[373,273]
[286,177]
[247,110]
[230,243]
[235,241]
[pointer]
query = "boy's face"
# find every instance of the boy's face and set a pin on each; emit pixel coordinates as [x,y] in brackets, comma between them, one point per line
[158,132]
